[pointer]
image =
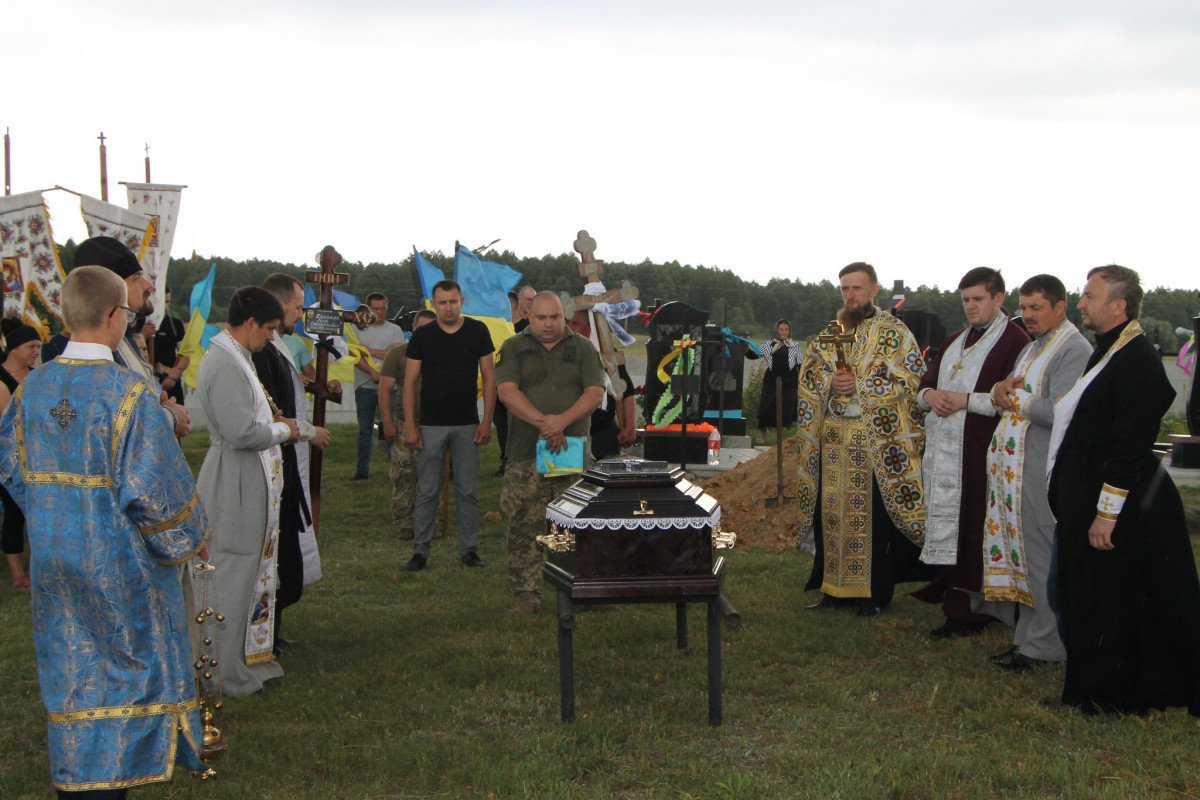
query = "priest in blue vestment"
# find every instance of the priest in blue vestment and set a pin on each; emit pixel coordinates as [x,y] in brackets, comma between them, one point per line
[112,508]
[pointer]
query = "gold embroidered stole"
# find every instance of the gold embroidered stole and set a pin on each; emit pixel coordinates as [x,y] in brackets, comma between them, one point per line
[1004,574]
[1064,409]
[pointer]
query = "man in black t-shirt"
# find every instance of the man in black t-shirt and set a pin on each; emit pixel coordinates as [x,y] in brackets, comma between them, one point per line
[446,360]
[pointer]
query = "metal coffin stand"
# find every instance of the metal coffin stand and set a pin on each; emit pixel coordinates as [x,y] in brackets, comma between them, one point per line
[635,531]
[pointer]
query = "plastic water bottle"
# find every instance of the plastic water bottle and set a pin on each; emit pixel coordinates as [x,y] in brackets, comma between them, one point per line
[714,448]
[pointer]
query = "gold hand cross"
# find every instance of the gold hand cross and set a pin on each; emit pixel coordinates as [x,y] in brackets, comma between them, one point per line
[838,336]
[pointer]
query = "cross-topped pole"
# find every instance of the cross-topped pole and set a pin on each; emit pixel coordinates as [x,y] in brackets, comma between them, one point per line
[7,166]
[588,268]
[326,322]
[591,271]
[103,168]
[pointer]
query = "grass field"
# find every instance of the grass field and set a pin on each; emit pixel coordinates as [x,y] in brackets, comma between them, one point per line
[424,686]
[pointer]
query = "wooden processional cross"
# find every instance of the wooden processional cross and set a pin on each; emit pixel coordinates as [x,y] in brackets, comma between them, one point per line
[325,322]
[591,271]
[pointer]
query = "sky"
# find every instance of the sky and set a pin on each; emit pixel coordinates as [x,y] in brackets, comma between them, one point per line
[774,139]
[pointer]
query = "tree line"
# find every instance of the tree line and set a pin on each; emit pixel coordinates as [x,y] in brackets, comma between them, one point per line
[746,307]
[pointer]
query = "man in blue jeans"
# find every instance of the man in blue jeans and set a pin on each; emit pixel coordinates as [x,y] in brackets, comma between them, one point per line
[447,360]
[378,338]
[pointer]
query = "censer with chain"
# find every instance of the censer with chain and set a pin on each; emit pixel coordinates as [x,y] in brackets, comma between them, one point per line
[206,646]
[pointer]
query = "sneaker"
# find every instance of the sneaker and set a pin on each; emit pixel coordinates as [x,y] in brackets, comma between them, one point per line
[358,477]
[472,559]
[415,564]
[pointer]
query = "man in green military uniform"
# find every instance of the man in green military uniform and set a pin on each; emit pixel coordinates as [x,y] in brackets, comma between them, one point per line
[551,380]
[403,467]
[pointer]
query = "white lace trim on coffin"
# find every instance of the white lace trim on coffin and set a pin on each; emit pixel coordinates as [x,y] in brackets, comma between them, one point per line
[626,523]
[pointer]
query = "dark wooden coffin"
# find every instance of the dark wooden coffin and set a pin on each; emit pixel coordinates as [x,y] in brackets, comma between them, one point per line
[633,518]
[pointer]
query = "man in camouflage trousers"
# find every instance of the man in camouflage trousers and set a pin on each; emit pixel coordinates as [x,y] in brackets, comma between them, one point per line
[403,468]
[551,380]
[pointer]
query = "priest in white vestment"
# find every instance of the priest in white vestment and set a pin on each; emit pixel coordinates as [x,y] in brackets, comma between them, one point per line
[240,482]
[956,391]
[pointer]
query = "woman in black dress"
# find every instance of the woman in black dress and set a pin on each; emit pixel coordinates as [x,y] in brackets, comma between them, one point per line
[783,361]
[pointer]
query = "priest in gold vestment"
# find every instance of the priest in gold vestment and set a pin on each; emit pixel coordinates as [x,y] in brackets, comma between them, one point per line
[859,448]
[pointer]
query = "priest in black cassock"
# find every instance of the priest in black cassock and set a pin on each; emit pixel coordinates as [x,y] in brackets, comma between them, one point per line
[275,371]
[1130,594]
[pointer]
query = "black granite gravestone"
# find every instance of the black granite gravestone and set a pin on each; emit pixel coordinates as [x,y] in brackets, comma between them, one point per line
[670,322]
[926,328]
[724,371]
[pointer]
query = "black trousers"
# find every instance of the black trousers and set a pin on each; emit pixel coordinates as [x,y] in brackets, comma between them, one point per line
[12,534]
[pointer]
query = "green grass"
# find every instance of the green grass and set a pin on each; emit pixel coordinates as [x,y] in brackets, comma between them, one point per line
[423,686]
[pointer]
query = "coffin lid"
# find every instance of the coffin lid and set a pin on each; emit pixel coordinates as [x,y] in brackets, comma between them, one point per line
[633,493]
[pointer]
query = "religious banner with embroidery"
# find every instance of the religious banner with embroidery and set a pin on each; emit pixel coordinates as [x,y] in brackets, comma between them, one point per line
[32,274]
[160,202]
[133,229]
[1005,577]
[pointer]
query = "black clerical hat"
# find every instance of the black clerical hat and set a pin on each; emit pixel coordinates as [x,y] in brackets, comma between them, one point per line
[105,251]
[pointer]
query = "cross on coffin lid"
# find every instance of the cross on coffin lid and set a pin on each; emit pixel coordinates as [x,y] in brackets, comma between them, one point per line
[632,493]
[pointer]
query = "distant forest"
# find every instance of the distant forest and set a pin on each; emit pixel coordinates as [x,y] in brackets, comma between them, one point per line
[745,307]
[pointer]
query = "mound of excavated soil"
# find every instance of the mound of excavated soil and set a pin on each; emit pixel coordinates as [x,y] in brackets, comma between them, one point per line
[743,493]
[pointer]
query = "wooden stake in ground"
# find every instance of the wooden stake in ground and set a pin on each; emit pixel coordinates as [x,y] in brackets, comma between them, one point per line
[779,498]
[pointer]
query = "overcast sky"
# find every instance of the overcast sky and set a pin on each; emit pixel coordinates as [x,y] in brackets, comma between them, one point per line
[771,138]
